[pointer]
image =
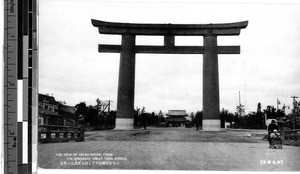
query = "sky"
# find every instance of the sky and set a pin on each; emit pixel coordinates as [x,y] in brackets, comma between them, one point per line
[72,70]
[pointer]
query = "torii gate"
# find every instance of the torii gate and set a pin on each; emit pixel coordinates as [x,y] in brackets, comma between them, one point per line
[210,51]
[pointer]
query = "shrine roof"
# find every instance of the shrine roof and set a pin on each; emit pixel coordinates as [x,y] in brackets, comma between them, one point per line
[169,29]
[177,113]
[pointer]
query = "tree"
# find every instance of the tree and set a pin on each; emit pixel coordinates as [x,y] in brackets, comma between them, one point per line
[98,104]
[91,117]
[161,117]
[258,107]
[160,114]
[226,116]
[270,111]
[237,120]
[143,110]
[112,119]
[136,117]
[192,116]
[144,118]
[81,112]
[152,119]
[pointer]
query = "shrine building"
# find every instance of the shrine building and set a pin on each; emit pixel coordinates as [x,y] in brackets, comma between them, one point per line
[176,118]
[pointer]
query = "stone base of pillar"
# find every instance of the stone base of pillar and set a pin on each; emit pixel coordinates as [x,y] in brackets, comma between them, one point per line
[124,123]
[211,125]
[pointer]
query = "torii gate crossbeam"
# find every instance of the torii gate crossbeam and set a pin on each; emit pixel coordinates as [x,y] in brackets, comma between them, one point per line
[210,51]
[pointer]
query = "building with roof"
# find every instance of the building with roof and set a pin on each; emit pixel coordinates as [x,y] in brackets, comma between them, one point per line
[68,114]
[53,113]
[176,117]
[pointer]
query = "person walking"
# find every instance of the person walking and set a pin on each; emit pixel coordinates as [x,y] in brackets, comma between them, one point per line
[144,120]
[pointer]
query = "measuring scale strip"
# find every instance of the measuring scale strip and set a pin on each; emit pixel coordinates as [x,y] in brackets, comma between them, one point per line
[20,85]
[10,58]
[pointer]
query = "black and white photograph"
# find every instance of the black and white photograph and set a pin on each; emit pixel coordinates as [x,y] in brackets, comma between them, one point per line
[168,85]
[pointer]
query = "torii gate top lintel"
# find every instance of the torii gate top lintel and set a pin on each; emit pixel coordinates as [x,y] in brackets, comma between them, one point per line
[169,29]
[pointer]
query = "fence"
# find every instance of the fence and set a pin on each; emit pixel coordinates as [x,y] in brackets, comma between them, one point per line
[54,133]
[291,137]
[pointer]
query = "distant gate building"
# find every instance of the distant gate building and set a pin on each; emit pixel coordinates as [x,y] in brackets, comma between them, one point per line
[176,117]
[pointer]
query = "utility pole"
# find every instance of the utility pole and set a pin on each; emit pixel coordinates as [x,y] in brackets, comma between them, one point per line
[239,98]
[109,114]
[294,110]
[278,103]
[240,108]
[108,107]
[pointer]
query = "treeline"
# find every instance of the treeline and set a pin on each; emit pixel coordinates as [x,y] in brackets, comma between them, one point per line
[97,118]
[94,118]
[252,120]
[150,119]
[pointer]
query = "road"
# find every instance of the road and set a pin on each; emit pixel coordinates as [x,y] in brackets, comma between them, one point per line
[171,149]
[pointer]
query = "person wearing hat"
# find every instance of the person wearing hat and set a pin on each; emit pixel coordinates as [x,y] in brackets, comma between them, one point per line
[273,126]
[274,134]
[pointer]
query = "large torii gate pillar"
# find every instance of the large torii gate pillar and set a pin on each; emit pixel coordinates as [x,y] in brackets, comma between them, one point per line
[211,99]
[125,103]
[210,51]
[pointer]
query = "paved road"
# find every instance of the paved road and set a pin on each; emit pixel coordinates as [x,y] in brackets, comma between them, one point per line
[172,149]
[179,134]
